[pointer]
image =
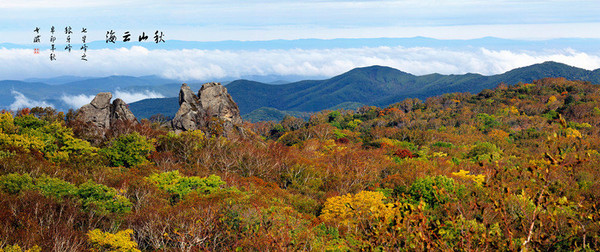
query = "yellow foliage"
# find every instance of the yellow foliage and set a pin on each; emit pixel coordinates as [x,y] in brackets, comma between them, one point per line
[23,141]
[329,146]
[386,141]
[478,179]
[551,99]
[17,248]
[195,135]
[499,134]
[119,242]
[570,132]
[58,156]
[351,209]
[511,110]
[440,154]
[7,123]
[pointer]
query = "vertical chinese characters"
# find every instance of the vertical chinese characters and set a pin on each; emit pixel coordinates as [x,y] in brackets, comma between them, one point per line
[52,48]
[84,47]
[68,32]
[126,37]
[158,38]
[142,37]
[111,37]
[37,40]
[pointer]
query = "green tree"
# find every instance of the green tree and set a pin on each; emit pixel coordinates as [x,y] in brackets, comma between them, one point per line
[434,191]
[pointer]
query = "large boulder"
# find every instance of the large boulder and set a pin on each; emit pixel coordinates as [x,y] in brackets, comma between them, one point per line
[211,107]
[120,112]
[101,114]
[216,102]
[97,112]
[186,117]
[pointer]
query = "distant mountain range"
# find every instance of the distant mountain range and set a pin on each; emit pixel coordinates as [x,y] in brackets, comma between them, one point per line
[63,91]
[374,85]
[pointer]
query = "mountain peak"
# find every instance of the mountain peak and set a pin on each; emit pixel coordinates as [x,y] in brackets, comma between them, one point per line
[551,67]
[377,69]
[552,63]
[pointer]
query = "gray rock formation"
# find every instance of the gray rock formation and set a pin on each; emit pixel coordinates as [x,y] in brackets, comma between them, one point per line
[187,116]
[97,112]
[102,114]
[120,112]
[199,111]
[216,102]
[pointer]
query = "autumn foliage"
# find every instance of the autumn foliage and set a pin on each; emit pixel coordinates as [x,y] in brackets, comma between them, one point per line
[514,168]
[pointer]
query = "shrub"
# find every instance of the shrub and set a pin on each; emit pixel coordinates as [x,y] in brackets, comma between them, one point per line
[484,151]
[119,242]
[17,248]
[15,183]
[352,209]
[179,186]
[434,191]
[403,153]
[442,144]
[54,187]
[101,198]
[92,196]
[29,121]
[129,150]
[486,122]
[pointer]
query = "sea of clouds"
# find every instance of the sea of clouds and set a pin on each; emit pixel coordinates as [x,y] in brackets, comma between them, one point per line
[197,64]
[76,101]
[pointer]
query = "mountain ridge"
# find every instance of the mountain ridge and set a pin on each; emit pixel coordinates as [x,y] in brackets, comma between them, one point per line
[381,86]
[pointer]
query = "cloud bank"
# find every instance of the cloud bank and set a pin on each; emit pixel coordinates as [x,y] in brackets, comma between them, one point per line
[129,97]
[207,65]
[76,101]
[23,102]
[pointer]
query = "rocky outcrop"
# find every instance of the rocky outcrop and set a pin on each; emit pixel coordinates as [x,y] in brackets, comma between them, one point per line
[96,112]
[216,102]
[100,113]
[188,115]
[120,112]
[212,106]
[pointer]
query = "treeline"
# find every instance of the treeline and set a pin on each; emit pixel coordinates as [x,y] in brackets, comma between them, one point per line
[514,168]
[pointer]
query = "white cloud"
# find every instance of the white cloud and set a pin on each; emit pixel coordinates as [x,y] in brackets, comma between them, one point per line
[76,101]
[129,97]
[21,101]
[207,65]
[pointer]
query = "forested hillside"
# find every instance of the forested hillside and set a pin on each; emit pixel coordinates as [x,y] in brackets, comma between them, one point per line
[513,168]
[373,85]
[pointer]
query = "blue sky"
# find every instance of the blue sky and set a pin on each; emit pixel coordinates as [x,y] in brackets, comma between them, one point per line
[202,20]
[258,20]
